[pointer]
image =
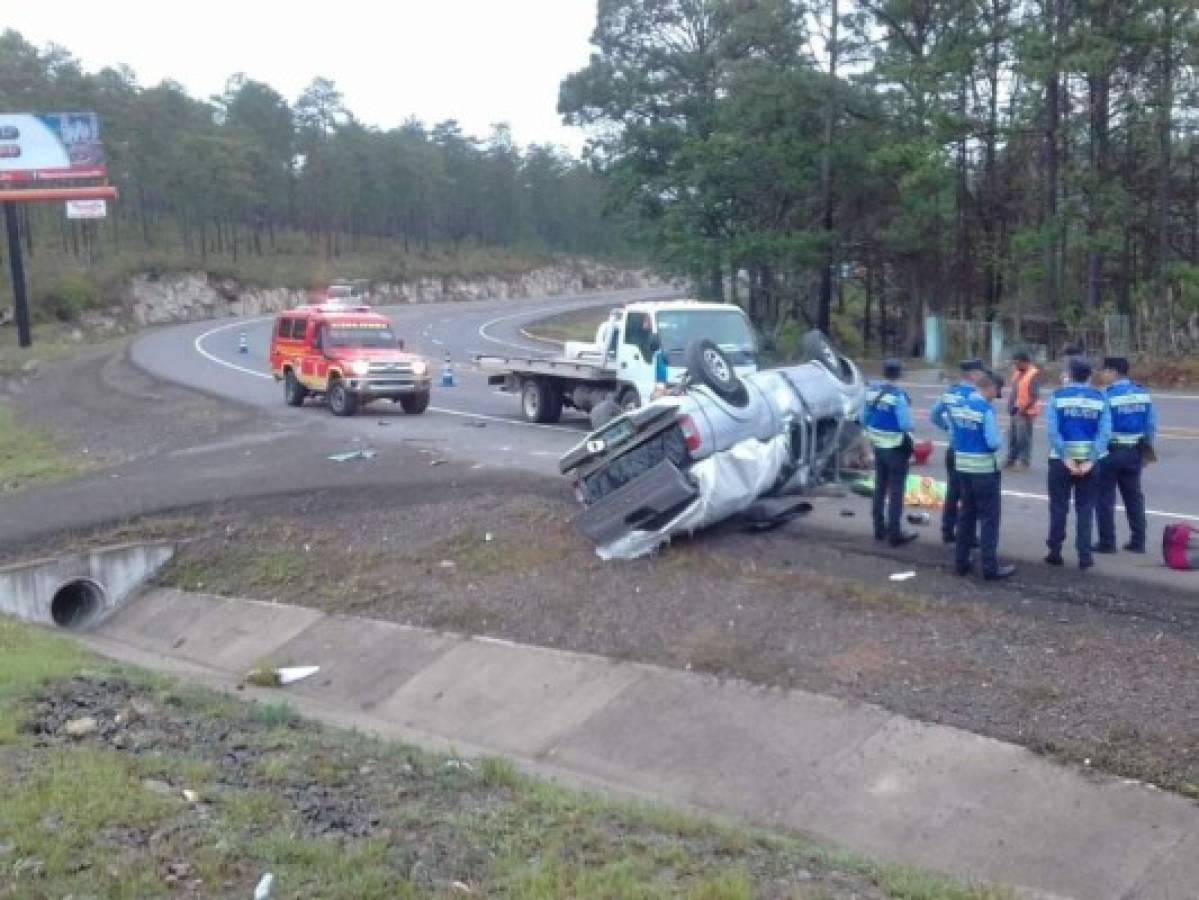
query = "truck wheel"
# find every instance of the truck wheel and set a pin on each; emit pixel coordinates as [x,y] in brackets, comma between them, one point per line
[540,401]
[293,392]
[630,400]
[341,401]
[817,348]
[603,413]
[708,365]
[414,404]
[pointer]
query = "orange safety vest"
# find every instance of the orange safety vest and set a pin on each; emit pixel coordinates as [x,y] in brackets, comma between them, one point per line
[1022,385]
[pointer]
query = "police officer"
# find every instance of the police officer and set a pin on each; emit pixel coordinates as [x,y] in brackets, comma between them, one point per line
[971,369]
[1079,422]
[887,415]
[976,444]
[1134,427]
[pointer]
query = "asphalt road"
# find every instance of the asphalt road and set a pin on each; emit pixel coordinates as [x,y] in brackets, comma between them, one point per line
[473,421]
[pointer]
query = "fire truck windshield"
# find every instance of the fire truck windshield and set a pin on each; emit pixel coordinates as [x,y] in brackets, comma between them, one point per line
[360,335]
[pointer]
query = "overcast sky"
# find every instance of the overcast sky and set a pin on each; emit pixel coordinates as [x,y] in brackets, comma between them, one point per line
[478,61]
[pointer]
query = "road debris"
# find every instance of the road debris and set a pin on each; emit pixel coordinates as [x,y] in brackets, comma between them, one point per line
[292,674]
[191,796]
[352,454]
[437,462]
[81,728]
[919,518]
[903,576]
[265,885]
[474,424]
[265,676]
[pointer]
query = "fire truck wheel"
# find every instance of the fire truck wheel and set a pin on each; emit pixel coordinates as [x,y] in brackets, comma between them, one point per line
[414,404]
[293,392]
[341,401]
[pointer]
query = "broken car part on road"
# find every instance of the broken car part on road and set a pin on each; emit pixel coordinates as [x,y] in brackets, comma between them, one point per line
[716,449]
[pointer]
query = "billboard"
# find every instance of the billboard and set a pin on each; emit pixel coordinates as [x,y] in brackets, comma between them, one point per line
[50,147]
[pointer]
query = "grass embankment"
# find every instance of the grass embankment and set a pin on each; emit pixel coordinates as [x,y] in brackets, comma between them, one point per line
[572,326]
[28,456]
[333,814]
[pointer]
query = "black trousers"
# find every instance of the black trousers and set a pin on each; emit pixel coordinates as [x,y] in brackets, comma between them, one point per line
[1061,486]
[953,498]
[890,482]
[981,504]
[1120,469]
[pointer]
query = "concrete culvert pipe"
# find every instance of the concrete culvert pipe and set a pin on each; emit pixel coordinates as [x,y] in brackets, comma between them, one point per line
[76,603]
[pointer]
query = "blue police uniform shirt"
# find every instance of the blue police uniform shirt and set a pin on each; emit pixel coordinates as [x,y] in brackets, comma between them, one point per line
[1133,416]
[661,369]
[939,415]
[976,435]
[1079,422]
[887,414]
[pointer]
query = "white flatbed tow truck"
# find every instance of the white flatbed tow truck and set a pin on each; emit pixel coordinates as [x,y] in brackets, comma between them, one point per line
[618,366]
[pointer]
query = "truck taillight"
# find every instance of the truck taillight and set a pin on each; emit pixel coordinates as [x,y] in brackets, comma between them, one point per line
[691,435]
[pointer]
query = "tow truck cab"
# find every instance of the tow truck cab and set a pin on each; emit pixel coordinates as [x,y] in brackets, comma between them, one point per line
[348,354]
[626,339]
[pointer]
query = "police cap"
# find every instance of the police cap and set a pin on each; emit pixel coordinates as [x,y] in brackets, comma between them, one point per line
[892,368]
[972,365]
[1080,368]
[1116,364]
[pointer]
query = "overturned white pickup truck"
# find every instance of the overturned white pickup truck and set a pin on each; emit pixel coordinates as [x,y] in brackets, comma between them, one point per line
[725,445]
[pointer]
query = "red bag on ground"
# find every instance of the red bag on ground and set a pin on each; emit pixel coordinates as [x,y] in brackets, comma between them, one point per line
[1180,546]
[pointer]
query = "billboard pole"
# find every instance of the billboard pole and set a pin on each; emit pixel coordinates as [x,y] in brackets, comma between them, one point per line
[17,263]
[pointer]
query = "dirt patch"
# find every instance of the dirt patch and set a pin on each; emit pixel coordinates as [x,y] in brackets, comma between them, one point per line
[1090,671]
[80,398]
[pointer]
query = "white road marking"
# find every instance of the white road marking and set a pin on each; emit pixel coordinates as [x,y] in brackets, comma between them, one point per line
[198,343]
[1022,495]
[483,329]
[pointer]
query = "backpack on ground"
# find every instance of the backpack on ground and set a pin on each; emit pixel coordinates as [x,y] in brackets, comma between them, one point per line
[1180,546]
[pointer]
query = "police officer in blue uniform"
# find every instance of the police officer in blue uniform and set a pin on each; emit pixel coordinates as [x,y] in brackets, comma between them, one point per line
[977,441]
[1079,422]
[972,369]
[1134,428]
[887,415]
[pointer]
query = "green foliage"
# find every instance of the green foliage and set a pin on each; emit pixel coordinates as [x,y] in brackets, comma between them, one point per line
[68,296]
[28,456]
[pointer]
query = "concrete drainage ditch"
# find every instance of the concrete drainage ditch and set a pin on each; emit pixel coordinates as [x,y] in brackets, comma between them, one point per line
[77,590]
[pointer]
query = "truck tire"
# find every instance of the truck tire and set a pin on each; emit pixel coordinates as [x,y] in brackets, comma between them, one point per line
[630,400]
[603,413]
[294,393]
[708,365]
[342,402]
[818,348]
[540,401]
[415,404]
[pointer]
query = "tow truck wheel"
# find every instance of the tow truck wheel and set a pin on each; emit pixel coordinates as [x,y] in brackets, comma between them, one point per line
[414,404]
[540,401]
[293,392]
[341,401]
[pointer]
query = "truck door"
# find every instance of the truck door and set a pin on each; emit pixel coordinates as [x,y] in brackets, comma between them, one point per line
[302,340]
[320,362]
[636,355]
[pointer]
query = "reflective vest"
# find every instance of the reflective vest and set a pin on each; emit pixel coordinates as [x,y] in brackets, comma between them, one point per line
[1022,391]
[971,453]
[882,421]
[953,396]
[1130,405]
[1079,408]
